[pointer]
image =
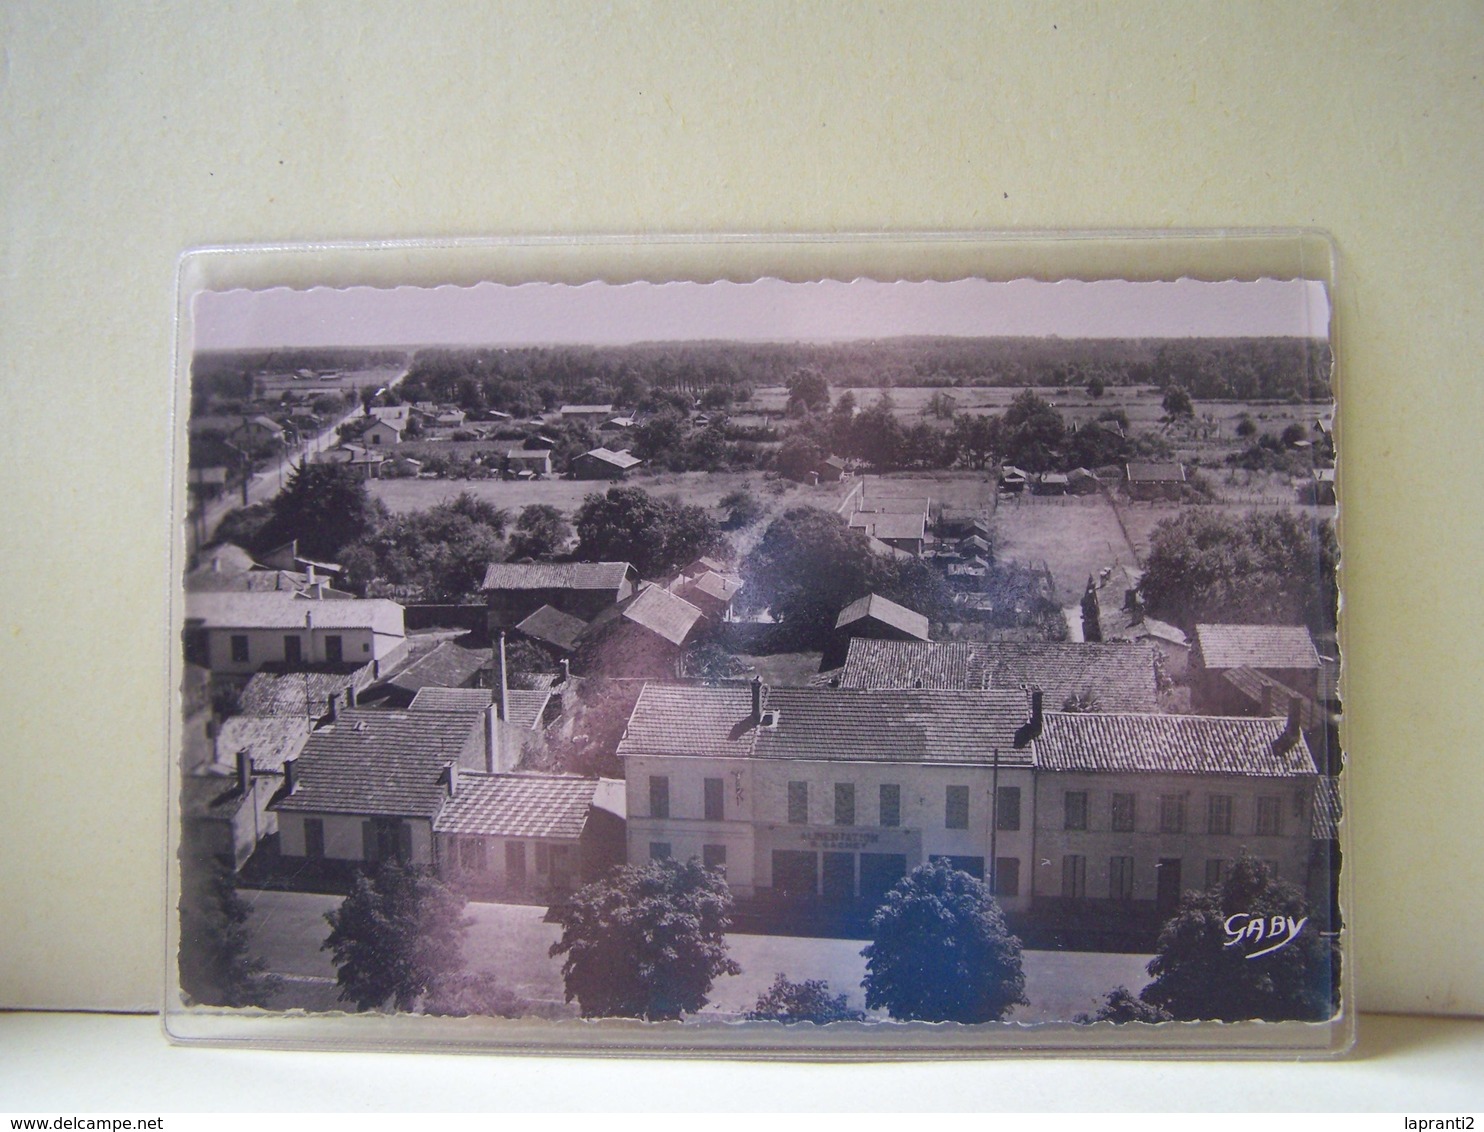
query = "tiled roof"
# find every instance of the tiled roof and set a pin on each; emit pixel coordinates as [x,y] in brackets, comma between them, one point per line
[552,626]
[292,693]
[1175,744]
[716,586]
[1256,646]
[1262,689]
[287,611]
[705,564]
[888,612]
[212,795]
[379,763]
[1156,473]
[1325,825]
[250,581]
[889,526]
[555,575]
[268,739]
[687,719]
[226,558]
[446,666]
[518,805]
[624,459]
[663,614]
[895,725]
[914,664]
[1120,676]
[586,409]
[523,707]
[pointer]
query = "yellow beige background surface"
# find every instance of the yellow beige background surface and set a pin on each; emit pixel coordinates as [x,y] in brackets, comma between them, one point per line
[129,133]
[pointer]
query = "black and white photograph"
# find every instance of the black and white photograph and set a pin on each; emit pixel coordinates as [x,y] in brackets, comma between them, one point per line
[797,664]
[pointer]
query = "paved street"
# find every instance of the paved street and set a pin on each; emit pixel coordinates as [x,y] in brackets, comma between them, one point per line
[511,942]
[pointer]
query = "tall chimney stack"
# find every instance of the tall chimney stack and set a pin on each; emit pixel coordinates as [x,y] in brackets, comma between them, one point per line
[244,772]
[451,778]
[502,688]
[1030,731]
[290,783]
[757,699]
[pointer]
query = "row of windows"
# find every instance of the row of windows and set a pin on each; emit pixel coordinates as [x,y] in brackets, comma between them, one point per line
[1121,875]
[293,649]
[1268,821]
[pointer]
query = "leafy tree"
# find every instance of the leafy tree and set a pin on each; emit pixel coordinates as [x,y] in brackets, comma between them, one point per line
[809,565]
[1033,433]
[1122,1006]
[1093,445]
[657,536]
[808,392]
[542,531]
[244,526]
[1262,568]
[646,942]
[439,554]
[942,405]
[1095,387]
[876,434]
[717,397]
[1246,426]
[1198,976]
[216,967]
[940,951]
[809,1001]
[659,440]
[395,937]
[1177,402]
[1293,434]
[325,507]
[798,457]
[981,439]
[746,508]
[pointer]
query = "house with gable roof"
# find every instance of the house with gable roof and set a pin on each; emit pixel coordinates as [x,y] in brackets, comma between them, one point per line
[872,616]
[818,798]
[1284,653]
[515,590]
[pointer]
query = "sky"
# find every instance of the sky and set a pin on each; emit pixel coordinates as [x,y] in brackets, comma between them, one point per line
[761,311]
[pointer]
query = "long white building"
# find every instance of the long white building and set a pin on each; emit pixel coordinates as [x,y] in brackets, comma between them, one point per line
[820,794]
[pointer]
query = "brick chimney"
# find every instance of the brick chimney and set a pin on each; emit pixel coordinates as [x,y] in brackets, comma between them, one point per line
[757,699]
[244,772]
[451,778]
[1292,729]
[1030,730]
[290,778]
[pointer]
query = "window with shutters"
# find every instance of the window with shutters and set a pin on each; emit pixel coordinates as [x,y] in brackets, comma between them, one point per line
[1172,813]
[1074,809]
[715,808]
[956,808]
[891,805]
[1219,813]
[844,803]
[798,803]
[1123,813]
[1120,878]
[659,796]
[1007,813]
[1269,816]
[1074,876]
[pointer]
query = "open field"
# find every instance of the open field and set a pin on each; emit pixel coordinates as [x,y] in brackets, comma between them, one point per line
[1075,535]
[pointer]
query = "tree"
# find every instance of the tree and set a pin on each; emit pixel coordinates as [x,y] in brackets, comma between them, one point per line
[809,565]
[797,458]
[942,405]
[1201,973]
[1177,403]
[439,554]
[940,951]
[1033,433]
[745,507]
[1265,567]
[244,526]
[216,967]
[876,434]
[809,1001]
[325,507]
[646,942]
[981,439]
[395,937]
[808,392]
[1095,387]
[1293,434]
[1246,426]
[1122,1006]
[542,531]
[656,536]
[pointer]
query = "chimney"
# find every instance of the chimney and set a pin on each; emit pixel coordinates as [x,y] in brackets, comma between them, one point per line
[309,572]
[244,771]
[290,779]
[491,741]
[1291,729]
[566,670]
[451,778]
[332,706]
[350,696]
[757,699]
[1030,731]
[309,619]
[499,685]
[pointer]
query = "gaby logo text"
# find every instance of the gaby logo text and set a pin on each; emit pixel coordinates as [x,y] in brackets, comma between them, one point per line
[1276,931]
